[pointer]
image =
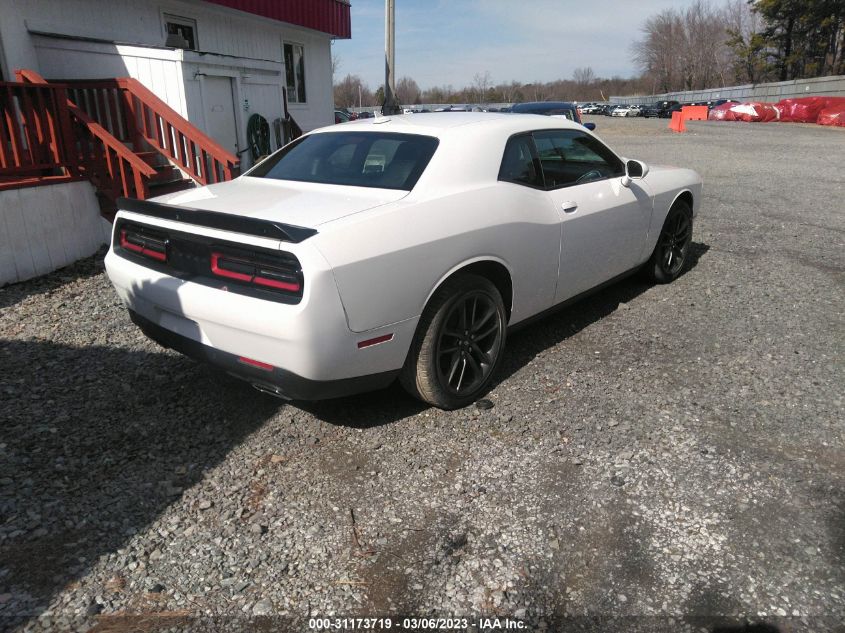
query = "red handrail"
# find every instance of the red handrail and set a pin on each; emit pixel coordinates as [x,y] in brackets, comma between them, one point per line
[110,164]
[131,112]
[30,130]
[102,128]
[171,134]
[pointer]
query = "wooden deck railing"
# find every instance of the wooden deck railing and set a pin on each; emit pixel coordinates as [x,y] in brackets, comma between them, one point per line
[108,131]
[100,156]
[133,114]
[171,134]
[33,130]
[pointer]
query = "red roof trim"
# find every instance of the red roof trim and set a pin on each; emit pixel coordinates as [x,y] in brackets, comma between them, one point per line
[328,16]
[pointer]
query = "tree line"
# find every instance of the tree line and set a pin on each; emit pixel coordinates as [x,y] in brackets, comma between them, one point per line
[705,45]
[742,41]
[352,91]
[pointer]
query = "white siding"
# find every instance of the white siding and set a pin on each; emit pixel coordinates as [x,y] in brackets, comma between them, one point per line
[45,228]
[245,47]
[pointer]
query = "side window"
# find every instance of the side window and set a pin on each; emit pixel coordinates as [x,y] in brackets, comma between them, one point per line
[570,157]
[180,32]
[519,163]
[295,72]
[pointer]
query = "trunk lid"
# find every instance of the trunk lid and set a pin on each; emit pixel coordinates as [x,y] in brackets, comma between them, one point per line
[300,204]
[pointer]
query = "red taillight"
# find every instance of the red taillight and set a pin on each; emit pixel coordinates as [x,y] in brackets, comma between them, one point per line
[224,272]
[375,341]
[255,363]
[272,283]
[246,270]
[143,245]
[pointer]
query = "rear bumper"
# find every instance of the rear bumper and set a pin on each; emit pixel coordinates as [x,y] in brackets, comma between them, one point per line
[310,339]
[276,381]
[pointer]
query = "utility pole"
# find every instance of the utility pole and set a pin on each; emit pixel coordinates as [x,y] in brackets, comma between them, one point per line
[390,106]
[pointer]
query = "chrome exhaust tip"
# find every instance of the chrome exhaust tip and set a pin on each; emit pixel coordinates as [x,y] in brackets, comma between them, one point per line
[270,390]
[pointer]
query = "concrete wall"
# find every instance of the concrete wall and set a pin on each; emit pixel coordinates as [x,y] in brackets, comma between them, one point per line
[45,228]
[819,86]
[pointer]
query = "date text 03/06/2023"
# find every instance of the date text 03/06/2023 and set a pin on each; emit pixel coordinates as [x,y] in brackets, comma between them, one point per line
[416,624]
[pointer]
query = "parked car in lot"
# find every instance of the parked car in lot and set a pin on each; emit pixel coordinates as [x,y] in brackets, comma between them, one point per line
[680,106]
[659,109]
[341,117]
[396,247]
[621,110]
[718,102]
[563,109]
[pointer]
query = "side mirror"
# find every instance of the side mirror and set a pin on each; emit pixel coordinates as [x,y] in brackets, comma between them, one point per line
[634,169]
[590,126]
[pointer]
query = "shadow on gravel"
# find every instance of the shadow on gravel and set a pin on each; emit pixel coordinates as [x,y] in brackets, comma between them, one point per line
[88,458]
[526,343]
[837,534]
[746,628]
[82,269]
[366,410]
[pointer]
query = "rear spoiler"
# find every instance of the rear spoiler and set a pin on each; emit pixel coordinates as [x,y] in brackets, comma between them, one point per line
[217,220]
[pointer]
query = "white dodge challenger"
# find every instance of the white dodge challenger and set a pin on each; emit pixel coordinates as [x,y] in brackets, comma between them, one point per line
[400,247]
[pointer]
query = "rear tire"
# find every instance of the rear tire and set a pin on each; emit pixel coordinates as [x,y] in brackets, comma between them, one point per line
[458,344]
[671,255]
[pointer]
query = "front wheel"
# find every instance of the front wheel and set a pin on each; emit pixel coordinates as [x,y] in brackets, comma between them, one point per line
[673,245]
[458,345]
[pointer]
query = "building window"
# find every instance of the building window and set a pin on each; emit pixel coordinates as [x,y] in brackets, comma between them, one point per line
[295,72]
[180,32]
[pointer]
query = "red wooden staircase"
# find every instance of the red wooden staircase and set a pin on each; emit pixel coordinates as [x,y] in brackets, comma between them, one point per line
[114,132]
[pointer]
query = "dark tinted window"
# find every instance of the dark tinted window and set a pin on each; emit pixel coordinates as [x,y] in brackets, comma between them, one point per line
[519,162]
[571,157]
[359,159]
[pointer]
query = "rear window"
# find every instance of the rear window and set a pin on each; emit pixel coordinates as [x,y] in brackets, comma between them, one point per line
[358,159]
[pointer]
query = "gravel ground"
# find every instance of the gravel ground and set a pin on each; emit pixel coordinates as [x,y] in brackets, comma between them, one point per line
[657,457]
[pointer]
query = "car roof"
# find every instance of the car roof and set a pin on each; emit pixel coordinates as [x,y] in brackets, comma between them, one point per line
[442,124]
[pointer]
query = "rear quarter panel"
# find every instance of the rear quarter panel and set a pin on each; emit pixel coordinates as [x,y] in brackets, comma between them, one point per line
[389,261]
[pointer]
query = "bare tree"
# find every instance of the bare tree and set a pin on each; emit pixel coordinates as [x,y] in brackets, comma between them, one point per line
[583,76]
[407,91]
[335,64]
[657,53]
[510,92]
[685,49]
[352,92]
[482,82]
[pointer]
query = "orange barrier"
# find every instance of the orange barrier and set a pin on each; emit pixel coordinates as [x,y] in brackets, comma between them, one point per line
[677,123]
[695,113]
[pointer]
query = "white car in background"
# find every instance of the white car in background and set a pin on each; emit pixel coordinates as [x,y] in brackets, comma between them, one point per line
[621,110]
[400,247]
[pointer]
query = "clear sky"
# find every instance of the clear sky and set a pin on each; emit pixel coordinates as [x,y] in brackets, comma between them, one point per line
[442,42]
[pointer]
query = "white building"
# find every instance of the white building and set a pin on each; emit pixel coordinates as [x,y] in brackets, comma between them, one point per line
[215,62]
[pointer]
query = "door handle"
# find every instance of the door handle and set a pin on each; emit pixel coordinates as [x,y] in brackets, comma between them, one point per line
[569,206]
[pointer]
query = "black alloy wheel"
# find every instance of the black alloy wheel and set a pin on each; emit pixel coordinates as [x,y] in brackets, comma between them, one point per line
[672,250]
[468,343]
[458,345]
